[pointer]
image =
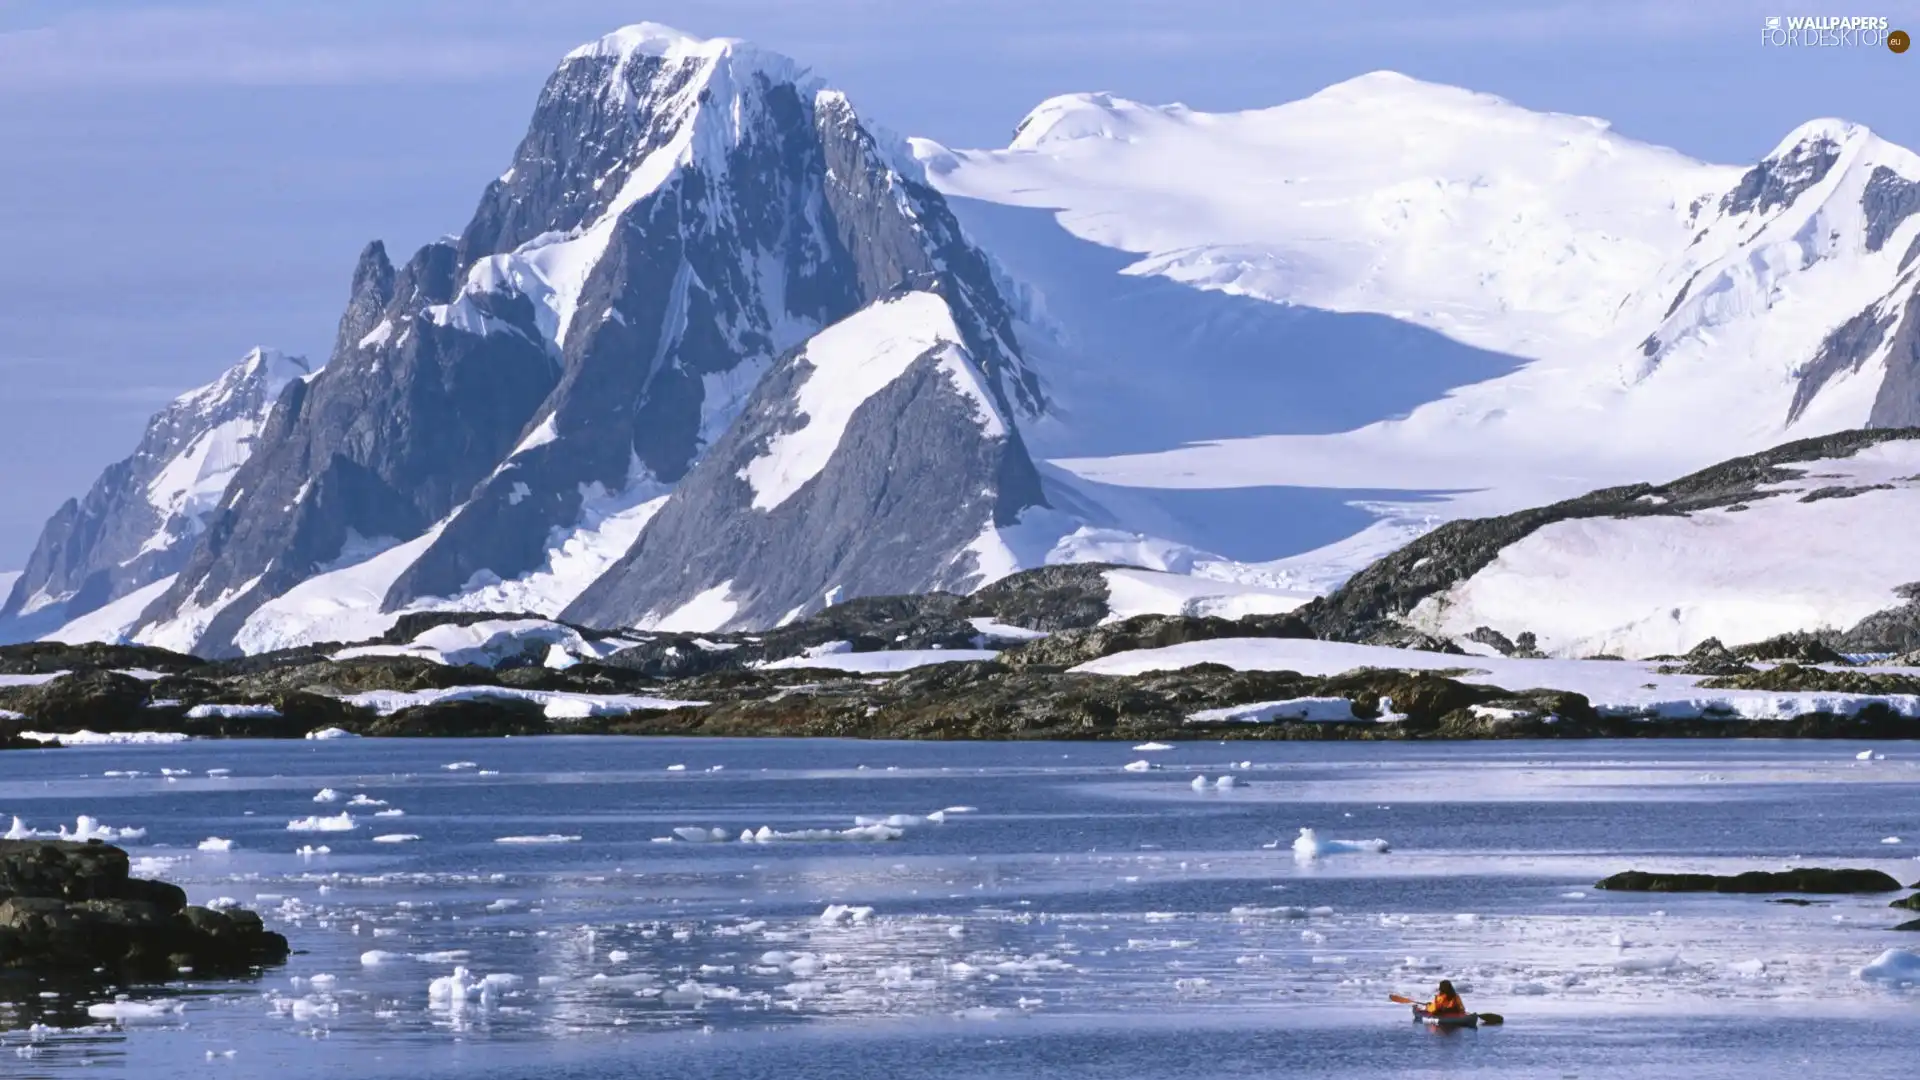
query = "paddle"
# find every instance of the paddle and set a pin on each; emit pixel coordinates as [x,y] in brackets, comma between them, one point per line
[1494,1019]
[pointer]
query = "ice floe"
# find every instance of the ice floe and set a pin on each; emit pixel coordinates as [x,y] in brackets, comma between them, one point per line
[126,1009]
[331,733]
[1308,846]
[542,838]
[1137,766]
[216,843]
[341,822]
[85,828]
[326,795]
[1896,967]
[396,838]
[105,738]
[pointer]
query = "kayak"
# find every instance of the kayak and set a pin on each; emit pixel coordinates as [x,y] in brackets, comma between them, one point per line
[1464,1020]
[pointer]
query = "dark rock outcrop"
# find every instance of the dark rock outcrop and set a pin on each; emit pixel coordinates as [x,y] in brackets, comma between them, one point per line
[1816,880]
[71,908]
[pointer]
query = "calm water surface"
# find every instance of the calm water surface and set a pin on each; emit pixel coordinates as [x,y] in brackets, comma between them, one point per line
[1058,916]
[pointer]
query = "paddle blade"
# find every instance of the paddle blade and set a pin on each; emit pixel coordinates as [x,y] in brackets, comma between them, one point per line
[1492,1018]
[1401,999]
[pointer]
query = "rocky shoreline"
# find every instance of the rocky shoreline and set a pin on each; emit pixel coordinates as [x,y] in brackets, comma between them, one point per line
[876,668]
[70,908]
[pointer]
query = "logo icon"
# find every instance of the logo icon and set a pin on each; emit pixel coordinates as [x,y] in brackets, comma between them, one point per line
[1899,40]
[1773,22]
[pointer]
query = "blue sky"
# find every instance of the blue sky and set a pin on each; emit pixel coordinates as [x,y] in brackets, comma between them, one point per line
[186,180]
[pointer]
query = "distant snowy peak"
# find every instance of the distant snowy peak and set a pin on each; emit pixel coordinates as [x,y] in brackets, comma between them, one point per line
[1808,257]
[137,524]
[1502,227]
[1090,116]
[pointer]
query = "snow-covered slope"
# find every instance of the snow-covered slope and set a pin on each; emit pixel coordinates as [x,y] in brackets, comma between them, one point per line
[139,521]
[1636,314]
[871,462]
[1821,548]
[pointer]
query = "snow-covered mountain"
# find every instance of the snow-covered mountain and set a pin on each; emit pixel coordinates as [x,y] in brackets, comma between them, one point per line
[1636,314]
[139,522]
[715,352]
[503,413]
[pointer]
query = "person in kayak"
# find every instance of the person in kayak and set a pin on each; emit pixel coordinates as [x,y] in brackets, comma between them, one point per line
[1445,1002]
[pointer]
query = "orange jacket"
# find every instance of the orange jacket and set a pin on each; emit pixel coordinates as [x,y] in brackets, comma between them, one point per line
[1446,1005]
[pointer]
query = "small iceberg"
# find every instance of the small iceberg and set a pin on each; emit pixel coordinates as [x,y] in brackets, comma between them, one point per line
[1149,747]
[341,822]
[331,733]
[543,838]
[1895,967]
[1137,766]
[1309,846]
[216,843]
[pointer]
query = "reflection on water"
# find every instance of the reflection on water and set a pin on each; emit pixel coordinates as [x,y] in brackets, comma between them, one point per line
[980,910]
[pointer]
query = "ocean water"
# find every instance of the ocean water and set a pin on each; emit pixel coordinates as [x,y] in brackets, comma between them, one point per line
[990,910]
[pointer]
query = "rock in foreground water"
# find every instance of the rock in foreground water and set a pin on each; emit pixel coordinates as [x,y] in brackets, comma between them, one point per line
[1811,879]
[69,907]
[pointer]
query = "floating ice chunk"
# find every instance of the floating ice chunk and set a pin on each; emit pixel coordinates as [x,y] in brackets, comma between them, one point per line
[845,914]
[1890,840]
[938,817]
[1748,969]
[1651,962]
[503,904]
[396,838]
[1225,783]
[961,810]
[392,811]
[85,828]
[327,794]
[1869,755]
[1308,845]
[376,957]
[216,843]
[222,903]
[458,766]
[124,1009]
[106,738]
[363,799]
[331,733]
[219,772]
[693,834]
[891,821]
[618,956]
[1149,747]
[308,851]
[444,956]
[1530,989]
[1138,766]
[341,822]
[1895,967]
[676,768]
[1199,783]
[322,981]
[873,832]
[543,838]
[176,772]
